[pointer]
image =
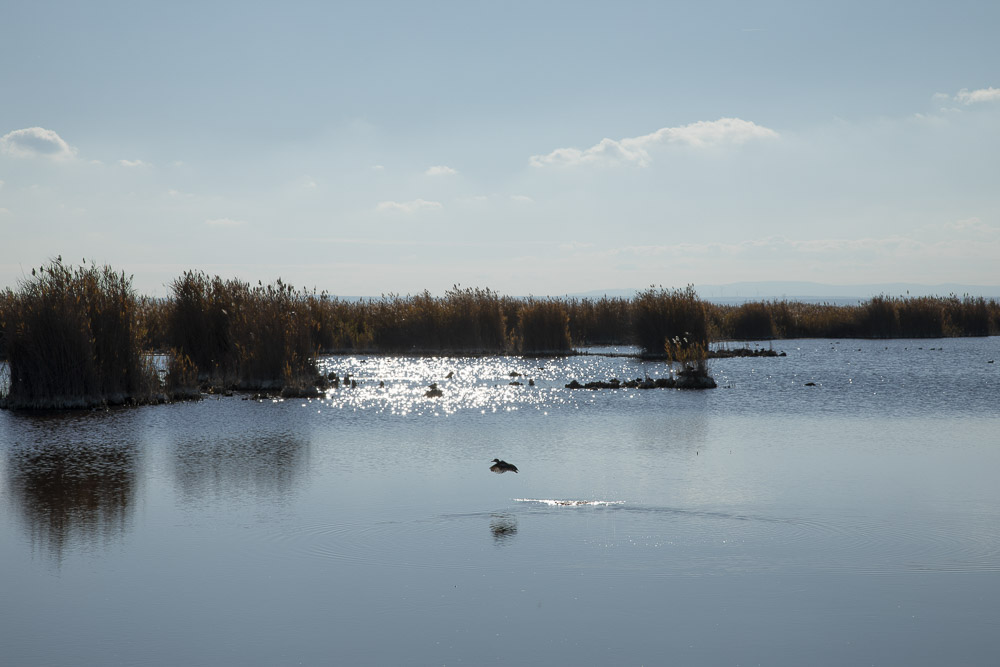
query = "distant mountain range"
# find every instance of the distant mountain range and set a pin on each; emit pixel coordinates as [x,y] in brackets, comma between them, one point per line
[813,292]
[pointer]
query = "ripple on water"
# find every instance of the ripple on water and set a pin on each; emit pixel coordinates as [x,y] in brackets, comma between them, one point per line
[876,545]
[412,543]
[661,541]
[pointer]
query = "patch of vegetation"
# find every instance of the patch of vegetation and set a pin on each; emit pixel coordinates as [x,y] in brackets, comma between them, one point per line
[543,327]
[668,322]
[465,321]
[604,321]
[81,337]
[239,336]
[74,340]
[878,317]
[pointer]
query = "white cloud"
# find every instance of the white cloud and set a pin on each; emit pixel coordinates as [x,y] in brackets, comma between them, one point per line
[440,170]
[636,149]
[133,163]
[225,222]
[36,141]
[971,225]
[408,206]
[524,199]
[378,167]
[4,211]
[966,96]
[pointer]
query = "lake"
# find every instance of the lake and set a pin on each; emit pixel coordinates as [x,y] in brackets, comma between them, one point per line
[852,522]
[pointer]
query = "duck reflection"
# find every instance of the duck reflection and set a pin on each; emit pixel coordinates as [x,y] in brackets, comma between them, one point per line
[73,495]
[263,466]
[503,527]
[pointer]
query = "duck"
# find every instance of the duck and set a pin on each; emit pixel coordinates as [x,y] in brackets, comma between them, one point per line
[500,467]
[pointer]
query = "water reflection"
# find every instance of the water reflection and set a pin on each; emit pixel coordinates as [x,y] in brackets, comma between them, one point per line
[267,465]
[503,527]
[74,488]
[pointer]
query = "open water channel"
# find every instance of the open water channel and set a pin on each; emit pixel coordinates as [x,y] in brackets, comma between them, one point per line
[853,522]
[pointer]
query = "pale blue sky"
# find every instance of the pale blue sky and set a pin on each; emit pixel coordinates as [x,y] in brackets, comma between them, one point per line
[529,147]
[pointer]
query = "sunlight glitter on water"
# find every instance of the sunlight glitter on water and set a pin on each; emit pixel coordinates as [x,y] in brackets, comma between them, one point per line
[400,385]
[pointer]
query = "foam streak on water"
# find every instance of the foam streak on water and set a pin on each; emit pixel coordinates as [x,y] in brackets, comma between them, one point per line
[571,503]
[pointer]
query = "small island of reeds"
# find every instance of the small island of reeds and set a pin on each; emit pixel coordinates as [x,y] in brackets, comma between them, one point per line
[81,337]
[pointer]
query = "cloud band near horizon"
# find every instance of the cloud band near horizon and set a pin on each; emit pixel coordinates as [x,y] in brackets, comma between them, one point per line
[635,150]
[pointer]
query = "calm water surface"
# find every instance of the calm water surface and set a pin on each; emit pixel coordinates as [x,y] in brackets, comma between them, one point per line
[854,522]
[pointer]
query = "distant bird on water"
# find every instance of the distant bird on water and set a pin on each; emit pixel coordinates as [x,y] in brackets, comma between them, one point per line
[500,467]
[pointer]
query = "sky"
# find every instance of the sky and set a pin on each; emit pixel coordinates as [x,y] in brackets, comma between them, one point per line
[534,148]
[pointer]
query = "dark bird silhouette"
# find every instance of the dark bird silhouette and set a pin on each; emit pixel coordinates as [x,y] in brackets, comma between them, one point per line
[500,467]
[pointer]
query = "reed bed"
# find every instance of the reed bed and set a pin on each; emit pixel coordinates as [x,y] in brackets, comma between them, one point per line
[674,317]
[74,338]
[878,317]
[231,335]
[6,314]
[604,321]
[543,327]
[81,337]
[464,321]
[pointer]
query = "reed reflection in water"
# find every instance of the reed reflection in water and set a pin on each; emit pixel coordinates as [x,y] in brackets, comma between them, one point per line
[73,491]
[266,465]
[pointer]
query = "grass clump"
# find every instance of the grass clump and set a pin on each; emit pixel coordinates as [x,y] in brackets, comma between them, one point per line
[673,324]
[74,340]
[689,362]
